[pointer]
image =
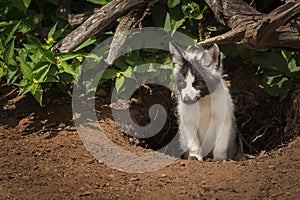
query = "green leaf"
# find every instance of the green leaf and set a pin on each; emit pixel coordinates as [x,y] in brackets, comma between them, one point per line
[11,33]
[126,88]
[25,67]
[40,71]
[27,88]
[23,83]
[99,2]
[37,92]
[121,62]
[12,74]
[3,71]
[293,66]
[173,3]
[88,42]
[119,83]
[192,10]
[128,73]
[46,53]
[9,55]
[176,24]
[109,74]
[272,61]
[68,56]
[50,79]
[68,68]
[52,30]
[36,56]
[167,24]
[26,3]
[277,84]
[67,78]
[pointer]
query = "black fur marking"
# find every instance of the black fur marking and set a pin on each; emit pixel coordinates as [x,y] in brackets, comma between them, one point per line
[199,82]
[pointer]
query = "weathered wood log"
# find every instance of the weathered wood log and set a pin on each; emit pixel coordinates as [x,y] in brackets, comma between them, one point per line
[76,20]
[278,29]
[96,23]
[128,22]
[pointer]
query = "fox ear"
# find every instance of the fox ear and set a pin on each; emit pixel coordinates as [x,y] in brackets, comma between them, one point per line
[212,57]
[177,54]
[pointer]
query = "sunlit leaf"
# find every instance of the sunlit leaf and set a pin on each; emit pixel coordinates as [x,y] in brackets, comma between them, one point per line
[88,42]
[119,83]
[99,2]
[173,3]
[9,55]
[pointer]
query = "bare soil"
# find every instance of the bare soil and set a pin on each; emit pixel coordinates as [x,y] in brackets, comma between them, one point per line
[42,157]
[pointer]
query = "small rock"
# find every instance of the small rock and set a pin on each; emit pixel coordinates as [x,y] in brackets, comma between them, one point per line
[91,161]
[111,177]
[182,164]
[35,167]
[163,175]
[134,179]
[86,193]
[272,167]
[249,156]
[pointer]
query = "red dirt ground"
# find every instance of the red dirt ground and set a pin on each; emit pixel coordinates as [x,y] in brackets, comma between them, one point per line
[42,157]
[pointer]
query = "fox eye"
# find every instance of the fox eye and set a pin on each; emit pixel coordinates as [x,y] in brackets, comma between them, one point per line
[200,83]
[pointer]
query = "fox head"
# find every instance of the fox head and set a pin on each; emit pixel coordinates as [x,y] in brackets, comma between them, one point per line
[197,71]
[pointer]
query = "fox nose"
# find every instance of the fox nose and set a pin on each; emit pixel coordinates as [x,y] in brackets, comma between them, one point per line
[187,99]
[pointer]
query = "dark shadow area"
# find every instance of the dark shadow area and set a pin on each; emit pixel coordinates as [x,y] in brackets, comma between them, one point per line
[26,116]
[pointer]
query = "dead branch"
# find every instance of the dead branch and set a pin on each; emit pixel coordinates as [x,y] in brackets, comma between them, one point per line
[278,29]
[96,23]
[128,22]
[77,19]
[122,32]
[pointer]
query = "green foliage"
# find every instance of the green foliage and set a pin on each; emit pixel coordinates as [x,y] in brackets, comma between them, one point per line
[100,2]
[25,56]
[29,29]
[280,69]
[134,69]
[183,15]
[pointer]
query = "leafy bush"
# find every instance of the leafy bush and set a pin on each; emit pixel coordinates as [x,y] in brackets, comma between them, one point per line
[29,29]
[280,69]
[26,60]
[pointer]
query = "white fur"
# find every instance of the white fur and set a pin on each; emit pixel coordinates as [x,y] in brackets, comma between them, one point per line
[207,126]
[189,90]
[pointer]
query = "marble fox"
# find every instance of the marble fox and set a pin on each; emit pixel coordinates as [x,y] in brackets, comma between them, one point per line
[205,108]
